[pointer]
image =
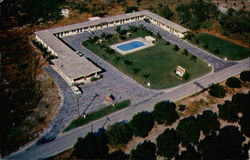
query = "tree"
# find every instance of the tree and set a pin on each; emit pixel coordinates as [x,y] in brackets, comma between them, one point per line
[245,125]
[227,145]
[119,134]
[131,9]
[228,111]
[168,143]
[206,45]
[145,151]
[245,76]
[118,29]
[142,123]
[208,122]
[91,147]
[184,14]
[118,155]
[189,154]
[185,52]
[233,82]
[188,131]
[186,76]
[241,101]
[165,11]
[217,90]
[176,48]
[167,43]
[164,112]
[193,58]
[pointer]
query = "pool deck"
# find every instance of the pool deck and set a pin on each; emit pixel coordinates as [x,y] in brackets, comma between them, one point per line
[140,39]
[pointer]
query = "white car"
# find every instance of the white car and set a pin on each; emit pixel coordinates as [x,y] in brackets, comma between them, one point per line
[76,90]
[79,53]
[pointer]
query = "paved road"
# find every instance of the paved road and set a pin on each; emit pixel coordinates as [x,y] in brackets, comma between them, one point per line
[68,139]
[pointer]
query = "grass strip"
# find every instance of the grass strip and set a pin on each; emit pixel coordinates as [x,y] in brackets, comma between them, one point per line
[97,115]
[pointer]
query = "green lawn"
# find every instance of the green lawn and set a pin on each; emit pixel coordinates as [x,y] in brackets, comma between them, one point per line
[155,64]
[226,48]
[97,115]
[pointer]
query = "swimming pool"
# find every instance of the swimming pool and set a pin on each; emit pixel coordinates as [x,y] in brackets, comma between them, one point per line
[130,45]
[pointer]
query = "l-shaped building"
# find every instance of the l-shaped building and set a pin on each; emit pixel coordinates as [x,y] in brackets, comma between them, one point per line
[75,69]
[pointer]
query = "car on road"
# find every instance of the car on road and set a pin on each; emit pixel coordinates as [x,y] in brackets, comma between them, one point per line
[76,90]
[79,53]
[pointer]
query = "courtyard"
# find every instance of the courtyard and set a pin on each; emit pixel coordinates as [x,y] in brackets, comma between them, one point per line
[152,67]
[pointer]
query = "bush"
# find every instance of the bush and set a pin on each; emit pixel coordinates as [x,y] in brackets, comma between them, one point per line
[228,111]
[210,120]
[168,143]
[122,37]
[245,76]
[144,151]
[182,107]
[131,9]
[164,112]
[118,155]
[233,82]
[188,131]
[217,90]
[142,123]
[119,134]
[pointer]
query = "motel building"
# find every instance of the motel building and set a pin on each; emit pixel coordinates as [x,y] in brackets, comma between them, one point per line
[75,69]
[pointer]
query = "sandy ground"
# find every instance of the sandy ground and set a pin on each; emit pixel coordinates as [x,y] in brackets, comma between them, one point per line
[195,104]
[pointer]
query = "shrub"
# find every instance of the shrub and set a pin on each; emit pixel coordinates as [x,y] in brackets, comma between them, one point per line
[182,107]
[122,37]
[142,123]
[245,76]
[145,151]
[164,112]
[233,82]
[228,111]
[217,90]
[131,9]
[119,134]
[168,143]
[188,131]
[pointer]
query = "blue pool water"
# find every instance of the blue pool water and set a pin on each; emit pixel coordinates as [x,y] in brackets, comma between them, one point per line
[130,45]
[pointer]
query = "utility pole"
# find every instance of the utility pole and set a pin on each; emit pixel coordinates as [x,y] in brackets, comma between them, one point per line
[78,109]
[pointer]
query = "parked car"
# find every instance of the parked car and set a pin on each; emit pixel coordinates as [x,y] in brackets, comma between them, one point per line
[79,53]
[76,90]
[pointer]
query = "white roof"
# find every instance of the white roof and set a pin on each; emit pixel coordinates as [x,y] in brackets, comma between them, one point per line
[69,62]
[94,18]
